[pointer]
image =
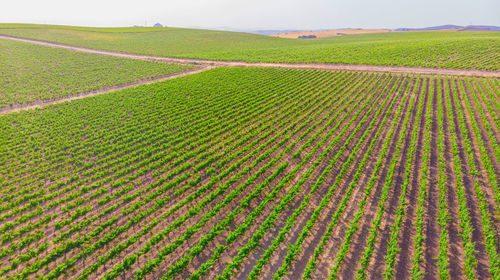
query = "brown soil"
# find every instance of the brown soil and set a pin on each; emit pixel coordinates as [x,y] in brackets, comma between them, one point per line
[330,33]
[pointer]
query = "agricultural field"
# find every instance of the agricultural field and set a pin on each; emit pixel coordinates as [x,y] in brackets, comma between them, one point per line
[457,50]
[251,173]
[30,73]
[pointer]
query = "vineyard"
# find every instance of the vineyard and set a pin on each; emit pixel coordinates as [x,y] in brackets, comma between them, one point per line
[456,50]
[31,73]
[258,174]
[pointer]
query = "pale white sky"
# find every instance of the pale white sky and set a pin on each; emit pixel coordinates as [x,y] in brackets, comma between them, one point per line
[254,14]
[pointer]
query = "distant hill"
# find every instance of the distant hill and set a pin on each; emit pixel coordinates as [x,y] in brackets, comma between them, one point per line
[328,33]
[481,28]
[453,27]
[440,27]
[271,32]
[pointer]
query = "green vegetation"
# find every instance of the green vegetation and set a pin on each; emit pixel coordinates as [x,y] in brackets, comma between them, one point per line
[30,73]
[254,173]
[462,50]
[418,259]
[89,29]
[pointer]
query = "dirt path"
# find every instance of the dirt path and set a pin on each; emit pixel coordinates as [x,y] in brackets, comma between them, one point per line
[367,68]
[44,103]
[208,64]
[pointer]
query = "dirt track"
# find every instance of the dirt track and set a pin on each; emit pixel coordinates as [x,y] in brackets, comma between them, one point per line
[43,103]
[367,68]
[209,64]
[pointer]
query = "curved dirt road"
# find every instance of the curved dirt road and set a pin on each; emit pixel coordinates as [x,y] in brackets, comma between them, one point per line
[366,68]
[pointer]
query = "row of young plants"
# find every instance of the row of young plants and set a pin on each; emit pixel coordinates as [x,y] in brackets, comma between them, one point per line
[484,93]
[491,93]
[496,83]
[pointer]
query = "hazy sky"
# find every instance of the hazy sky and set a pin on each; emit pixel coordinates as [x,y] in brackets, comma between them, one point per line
[254,14]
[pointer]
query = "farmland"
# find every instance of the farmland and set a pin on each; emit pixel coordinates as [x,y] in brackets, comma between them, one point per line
[31,73]
[259,174]
[457,50]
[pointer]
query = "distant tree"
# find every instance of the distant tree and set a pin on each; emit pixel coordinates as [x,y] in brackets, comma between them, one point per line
[157,25]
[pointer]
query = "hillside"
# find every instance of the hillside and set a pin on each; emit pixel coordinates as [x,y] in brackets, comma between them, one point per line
[459,50]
